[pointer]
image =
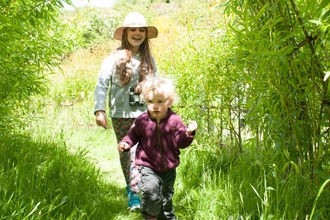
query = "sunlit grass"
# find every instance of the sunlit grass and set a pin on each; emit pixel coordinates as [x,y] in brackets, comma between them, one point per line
[41,179]
[68,168]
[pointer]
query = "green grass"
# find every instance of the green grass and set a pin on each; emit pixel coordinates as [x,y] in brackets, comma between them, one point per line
[66,167]
[42,179]
[62,166]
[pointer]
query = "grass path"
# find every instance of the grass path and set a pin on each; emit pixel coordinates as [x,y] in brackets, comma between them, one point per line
[101,149]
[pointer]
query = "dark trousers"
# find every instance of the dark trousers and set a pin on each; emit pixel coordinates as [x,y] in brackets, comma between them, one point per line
[157,190]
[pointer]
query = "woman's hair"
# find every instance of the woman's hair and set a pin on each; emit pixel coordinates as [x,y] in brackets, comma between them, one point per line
[152,82]
[124,67]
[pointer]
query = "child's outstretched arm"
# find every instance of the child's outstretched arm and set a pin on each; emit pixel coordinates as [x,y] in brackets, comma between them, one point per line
[122,146]
[191,127]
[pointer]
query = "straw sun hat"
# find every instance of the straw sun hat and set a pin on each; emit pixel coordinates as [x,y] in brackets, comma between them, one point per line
[135,19]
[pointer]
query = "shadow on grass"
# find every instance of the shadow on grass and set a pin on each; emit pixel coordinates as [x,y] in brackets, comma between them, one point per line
[40,179]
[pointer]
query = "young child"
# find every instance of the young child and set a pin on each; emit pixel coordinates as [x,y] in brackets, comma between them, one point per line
[160,133]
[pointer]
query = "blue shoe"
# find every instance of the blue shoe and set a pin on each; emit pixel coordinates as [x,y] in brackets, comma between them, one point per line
[134,201]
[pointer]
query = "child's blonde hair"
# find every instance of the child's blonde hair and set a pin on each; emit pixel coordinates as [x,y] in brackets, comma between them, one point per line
[152,82]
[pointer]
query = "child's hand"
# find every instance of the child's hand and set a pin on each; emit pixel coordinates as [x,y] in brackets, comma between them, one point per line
[191,127]
[122,146]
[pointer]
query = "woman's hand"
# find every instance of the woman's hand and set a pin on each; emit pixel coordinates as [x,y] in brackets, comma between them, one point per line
[138,88]
[101,119]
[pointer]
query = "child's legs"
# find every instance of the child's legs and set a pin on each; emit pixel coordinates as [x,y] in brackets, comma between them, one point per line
[121,126]
[168,179]
[150,193]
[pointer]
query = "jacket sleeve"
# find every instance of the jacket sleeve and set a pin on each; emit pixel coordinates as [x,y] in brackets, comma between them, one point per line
[132,136]
[103,83]
[183,139]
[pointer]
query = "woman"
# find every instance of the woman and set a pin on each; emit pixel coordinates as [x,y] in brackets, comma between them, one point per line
[121,77]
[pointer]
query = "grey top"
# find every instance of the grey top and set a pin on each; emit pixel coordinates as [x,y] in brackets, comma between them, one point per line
[109,83]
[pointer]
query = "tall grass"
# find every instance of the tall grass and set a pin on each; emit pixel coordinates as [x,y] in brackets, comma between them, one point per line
[65,167]
[222,184]
[41,179]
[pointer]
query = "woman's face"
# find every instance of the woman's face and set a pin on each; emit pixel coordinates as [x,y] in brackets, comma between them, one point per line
[136,36]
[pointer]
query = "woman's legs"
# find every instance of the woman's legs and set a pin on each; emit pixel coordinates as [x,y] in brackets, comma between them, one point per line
[127,161]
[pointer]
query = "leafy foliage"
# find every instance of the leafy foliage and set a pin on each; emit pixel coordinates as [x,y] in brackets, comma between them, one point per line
[263,78]
[283,57]
[92,26]
[31,43]
[253,73]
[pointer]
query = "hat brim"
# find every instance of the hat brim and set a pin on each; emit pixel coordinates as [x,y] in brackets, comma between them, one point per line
[152,32]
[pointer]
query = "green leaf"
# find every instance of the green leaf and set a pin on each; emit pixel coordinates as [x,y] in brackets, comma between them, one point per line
[327,74]
[324,4]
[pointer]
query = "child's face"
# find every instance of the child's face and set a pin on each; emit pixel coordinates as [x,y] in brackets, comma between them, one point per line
[158,101]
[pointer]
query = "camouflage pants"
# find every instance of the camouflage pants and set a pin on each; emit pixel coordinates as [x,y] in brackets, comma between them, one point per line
[127,159]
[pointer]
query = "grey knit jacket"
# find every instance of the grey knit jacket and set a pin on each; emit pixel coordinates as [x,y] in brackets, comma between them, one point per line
[109,84]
